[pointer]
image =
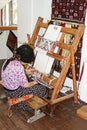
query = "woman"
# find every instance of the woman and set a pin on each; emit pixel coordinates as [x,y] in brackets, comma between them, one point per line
[14,79]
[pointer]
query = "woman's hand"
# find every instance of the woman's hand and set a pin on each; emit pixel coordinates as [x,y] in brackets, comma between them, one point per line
[30,70]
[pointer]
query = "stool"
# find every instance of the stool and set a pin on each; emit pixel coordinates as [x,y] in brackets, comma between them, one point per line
[82,112]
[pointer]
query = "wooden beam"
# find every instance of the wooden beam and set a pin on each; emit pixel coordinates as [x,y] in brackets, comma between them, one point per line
[6,28]
[57,100]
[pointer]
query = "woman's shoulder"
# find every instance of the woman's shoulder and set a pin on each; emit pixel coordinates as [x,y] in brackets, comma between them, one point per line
[15,63]
[15,66]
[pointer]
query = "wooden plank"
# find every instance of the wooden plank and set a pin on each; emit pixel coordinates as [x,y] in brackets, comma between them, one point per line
[82,112]
[68,30]
[44,25]
[57,100]
[64,45]
[55,55]
[36,103]
[6,28]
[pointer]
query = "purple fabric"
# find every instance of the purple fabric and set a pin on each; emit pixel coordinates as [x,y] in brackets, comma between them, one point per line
[13,76]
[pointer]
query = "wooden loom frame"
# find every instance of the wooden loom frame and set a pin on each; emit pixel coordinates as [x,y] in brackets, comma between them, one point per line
[69,60]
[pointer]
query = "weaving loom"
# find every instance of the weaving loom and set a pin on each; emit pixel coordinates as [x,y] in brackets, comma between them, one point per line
[66,60]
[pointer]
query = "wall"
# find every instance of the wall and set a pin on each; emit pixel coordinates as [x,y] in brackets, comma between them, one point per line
[28,13]
[24,19]
[42,9]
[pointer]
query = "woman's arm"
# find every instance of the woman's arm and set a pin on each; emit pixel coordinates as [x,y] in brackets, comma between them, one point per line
[30,84]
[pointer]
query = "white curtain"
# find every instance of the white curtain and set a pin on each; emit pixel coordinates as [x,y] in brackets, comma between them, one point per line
[3,3]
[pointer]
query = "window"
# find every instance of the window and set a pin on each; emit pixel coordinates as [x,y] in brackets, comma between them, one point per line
[9,13]
[14,7]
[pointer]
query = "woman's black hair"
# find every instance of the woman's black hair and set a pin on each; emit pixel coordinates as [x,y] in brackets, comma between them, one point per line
[25,53]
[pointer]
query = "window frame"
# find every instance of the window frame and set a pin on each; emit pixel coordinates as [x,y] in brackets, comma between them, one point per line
[9,13]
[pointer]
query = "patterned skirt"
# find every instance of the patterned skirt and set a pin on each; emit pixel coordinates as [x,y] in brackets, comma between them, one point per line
[37,90]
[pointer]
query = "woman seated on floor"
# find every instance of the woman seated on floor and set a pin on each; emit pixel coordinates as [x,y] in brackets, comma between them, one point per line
[14,79]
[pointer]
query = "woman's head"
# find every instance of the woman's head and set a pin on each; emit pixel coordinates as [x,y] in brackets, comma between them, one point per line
[26,53]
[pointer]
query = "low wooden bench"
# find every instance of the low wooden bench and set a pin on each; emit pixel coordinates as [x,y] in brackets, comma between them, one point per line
[36,103]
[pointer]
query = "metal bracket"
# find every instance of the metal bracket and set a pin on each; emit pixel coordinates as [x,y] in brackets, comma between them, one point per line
[2,96]
[38,114]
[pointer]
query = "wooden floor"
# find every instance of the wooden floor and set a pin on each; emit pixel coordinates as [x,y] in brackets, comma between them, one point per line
[64,118]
